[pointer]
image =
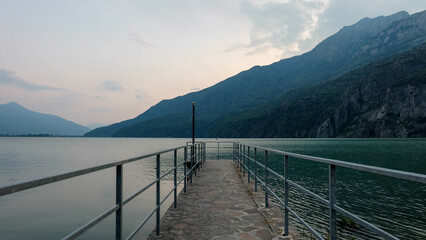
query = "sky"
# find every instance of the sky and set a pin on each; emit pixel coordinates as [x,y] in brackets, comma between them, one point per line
[107,61]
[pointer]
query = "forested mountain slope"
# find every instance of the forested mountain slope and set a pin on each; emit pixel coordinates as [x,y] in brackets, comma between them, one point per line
[348,49]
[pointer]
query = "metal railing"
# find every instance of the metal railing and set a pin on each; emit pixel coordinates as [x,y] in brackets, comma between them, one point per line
[242,158]
[220,146]
[193,160]
[195,157]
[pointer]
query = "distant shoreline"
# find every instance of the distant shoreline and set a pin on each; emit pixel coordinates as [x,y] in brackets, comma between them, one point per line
[35,135]
[249,138]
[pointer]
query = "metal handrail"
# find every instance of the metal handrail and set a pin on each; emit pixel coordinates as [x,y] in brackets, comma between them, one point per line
[218,147]
[416,177]
[27,184]
[241,157]
[198,159]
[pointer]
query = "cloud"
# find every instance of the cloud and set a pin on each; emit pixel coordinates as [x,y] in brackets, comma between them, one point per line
[280,25]
[111,86]
[10,78]
[142,95]
[67,100]
[139,40]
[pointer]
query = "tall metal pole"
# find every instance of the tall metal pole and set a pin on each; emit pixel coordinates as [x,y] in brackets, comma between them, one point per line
[193,122]
[193,137]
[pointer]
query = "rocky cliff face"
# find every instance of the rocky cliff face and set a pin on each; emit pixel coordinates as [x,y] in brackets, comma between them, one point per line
[389,102]
[398,113]
[402,30]
[386,98]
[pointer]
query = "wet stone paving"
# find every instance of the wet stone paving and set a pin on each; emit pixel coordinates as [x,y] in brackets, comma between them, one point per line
[216,206]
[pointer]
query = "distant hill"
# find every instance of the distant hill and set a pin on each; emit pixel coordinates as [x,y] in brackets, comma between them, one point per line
[92,126]
[17,120]
[352,47]
[386,98]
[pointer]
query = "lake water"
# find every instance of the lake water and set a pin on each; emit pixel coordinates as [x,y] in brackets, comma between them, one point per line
[397,206]
[54,210]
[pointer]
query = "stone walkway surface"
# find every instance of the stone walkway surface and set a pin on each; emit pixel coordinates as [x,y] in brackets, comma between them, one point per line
[216,206]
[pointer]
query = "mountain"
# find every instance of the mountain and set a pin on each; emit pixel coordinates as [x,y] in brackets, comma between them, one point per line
[92,126]
[386,98]
[17,120]
[350,48]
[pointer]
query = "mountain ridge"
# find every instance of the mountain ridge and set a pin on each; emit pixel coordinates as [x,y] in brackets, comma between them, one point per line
[351,47]
[17,120]
[386,98]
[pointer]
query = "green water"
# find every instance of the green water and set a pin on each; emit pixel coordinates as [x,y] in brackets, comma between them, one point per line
[396,206]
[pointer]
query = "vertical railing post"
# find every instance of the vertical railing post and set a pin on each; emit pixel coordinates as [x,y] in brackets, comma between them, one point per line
[285,195]
[197,152]
[233,152]
[157,199]
[332,199]
[192,162]
[200,159]
[244,160]
[239,159]
[218,150]
[266,180]
[185,151]
[175,178]
[238,155]
[255,169]
[198,156]
[195,160]
[119,201]
[248,164]
[191,165]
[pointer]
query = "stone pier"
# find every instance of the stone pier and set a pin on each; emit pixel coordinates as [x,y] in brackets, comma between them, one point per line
[219,205]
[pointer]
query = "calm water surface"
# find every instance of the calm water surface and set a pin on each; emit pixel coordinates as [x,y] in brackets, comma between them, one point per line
[54,210]
[397,206]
